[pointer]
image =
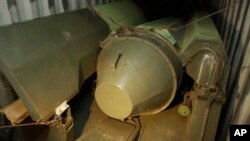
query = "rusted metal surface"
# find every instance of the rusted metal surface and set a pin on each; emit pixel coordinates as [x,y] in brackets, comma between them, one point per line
[15,112]
[47,60]
[206,106]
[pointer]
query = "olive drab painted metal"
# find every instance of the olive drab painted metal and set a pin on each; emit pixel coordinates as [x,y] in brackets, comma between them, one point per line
[139,70]
[47,60]
[120,13]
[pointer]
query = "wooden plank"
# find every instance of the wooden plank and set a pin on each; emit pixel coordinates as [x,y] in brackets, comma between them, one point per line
[16,112]
[5,17]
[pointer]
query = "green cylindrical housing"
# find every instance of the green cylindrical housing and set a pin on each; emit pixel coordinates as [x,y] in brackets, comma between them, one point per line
[138,72]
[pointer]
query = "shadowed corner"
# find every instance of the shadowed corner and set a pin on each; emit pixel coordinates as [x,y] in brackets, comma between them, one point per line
[80,105]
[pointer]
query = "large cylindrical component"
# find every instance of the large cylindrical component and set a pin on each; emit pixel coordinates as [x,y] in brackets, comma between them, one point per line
[138,73]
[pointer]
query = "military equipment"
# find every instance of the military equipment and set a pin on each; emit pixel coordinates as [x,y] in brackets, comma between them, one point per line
[46,62]
[155,79]
[139,71]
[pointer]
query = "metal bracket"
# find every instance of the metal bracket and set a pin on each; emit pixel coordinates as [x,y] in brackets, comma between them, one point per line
[61,108]
[62,130]
[206,93]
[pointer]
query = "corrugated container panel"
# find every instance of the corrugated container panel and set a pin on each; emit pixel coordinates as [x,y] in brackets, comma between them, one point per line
[13,11]
[234,28]
[5,17]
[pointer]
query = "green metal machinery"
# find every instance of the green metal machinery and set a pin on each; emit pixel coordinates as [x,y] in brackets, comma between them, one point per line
[139,73]
[159,80]
[146,62]
[46,61]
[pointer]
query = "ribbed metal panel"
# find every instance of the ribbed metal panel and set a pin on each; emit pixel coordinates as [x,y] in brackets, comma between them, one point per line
[234,28]
[13,11]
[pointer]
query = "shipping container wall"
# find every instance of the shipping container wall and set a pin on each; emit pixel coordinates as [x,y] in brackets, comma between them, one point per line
[13,11]
[234,27]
